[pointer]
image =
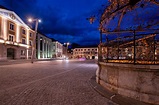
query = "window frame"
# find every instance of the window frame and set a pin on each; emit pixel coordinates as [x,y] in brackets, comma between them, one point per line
[24,40]
[11,26]
[30,43]
[11,38]
[22,53]
[30,34]
[23,31]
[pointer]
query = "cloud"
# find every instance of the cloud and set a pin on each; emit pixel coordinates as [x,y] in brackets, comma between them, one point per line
[64,20]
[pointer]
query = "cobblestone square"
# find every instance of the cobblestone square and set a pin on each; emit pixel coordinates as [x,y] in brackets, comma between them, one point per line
[57,82]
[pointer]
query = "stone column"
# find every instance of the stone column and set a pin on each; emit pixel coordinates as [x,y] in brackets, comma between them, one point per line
[4,29]
[43,47]
[46,49]
[38,46]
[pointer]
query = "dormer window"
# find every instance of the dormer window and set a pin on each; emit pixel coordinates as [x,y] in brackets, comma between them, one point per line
[11,26]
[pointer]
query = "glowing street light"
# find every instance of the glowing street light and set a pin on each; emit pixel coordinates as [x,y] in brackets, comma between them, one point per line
[34,37]
[67,44]
[31,20]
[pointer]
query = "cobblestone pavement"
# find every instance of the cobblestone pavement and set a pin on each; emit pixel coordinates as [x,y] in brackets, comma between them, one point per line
[49,83]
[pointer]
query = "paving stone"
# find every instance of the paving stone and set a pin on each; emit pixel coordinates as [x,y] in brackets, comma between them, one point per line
[54,82]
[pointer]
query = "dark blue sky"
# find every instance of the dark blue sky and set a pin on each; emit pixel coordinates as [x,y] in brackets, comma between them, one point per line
[63,20]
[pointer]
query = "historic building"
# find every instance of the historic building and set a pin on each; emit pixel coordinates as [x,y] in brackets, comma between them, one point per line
[88,53]
[44,47]
[15,36]
[57,51]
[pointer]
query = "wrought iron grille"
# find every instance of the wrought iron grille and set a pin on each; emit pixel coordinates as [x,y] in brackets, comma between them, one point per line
[131,47]
[136,42]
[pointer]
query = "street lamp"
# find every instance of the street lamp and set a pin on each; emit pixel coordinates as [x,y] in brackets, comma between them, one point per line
[34,37]
[67,47]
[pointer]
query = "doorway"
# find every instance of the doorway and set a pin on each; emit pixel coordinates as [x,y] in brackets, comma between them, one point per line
[93,57]
[10,53]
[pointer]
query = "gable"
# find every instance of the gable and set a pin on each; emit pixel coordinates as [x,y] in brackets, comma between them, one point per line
[13,16]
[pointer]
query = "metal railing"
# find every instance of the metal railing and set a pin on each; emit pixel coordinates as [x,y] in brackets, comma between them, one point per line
[135,48]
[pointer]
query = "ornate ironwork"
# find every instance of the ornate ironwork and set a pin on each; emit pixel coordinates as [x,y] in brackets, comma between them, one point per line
[134,48]
[138,44]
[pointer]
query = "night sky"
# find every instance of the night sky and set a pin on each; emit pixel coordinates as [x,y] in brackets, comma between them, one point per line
[63,20]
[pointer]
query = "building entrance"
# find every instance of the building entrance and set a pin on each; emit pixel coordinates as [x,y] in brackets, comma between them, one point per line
[10,53]
[93,57]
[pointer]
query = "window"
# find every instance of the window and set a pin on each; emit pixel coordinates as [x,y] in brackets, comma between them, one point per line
[23,41]
[30,42]
[11,37]
[30,34]
[22,52]
[11,26]
[29,53]
[23,31]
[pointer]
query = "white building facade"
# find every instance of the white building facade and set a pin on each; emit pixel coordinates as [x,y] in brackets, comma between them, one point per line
[57,49]
[44,47]
[15,36]
[87,53]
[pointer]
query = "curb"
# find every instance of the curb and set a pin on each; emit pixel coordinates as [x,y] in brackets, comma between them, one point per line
[116,98]
[20,61]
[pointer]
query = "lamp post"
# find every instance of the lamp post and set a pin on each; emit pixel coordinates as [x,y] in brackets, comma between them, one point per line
[67,47]
[34,37]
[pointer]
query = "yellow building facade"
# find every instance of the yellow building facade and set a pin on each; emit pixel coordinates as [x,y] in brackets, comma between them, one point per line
[87,53]
[15,36]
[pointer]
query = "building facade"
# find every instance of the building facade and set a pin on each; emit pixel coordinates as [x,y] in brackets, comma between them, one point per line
[57,51]
[43,47]
[87,53]
[15,36]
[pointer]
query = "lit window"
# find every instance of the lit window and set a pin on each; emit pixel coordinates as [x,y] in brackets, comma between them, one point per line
[11,26]
[23,41]
[11,37]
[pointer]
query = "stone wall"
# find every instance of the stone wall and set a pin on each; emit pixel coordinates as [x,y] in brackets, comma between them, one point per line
[140,82]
